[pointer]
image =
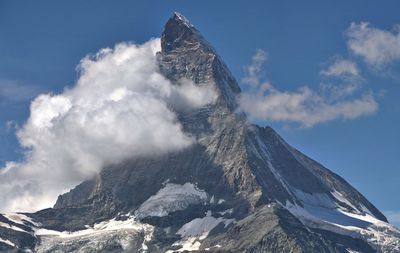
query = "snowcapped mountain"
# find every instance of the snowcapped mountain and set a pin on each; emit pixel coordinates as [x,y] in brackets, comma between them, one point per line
[239,188]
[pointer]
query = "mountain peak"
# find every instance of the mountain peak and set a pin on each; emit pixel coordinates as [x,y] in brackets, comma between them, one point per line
[237,188]
[185,53]
[179,32]
[180,18]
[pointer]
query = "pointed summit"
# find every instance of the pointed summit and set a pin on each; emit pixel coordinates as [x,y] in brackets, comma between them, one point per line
[185,53]
[182,18]
[179,32]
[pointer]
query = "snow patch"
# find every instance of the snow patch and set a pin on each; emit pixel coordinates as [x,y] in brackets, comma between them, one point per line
[202,226]
[365,209]
[15,228]
[382,236]
[188,244]
[228,211]
[221,201]
[171,198]
[197,230]
[20,219]
[122,232]
[8,242]
[216,246]
[212,200]
[184,20]
[315,199]
[113,224]
[339,196]
[352,251]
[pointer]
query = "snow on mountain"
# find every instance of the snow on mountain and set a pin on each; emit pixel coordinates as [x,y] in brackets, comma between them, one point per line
[124,234]
[12,227]
[171,198]
[202,226]
[323,215]
[7,242]
[20,218]
[184,20]
[197,230]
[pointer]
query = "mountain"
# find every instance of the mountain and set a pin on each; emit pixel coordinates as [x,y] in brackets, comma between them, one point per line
[239,188]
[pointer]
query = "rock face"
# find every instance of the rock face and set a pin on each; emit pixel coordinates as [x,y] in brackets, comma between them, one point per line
[240,188]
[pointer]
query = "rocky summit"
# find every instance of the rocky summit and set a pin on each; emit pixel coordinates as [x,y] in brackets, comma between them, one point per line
[239,188]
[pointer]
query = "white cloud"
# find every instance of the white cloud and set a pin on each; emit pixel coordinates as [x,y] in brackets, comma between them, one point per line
[253,71]
[377,47]
[121,107]
[341,68]
[348,75]
[303,106]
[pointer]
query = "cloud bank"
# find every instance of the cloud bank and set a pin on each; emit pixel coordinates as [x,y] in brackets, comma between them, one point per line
[120,107]
[304,106]
[377,47]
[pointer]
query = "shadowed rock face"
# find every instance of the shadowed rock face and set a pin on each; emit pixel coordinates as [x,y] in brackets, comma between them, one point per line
[250,176]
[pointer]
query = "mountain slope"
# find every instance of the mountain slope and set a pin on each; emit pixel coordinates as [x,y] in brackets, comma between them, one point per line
[239,188]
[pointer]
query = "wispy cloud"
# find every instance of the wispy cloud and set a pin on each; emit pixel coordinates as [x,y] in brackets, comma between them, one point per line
[121,107]
[304,106]
[340,79]
[253,72]
[341,68]
[11,126]
[377,47]
[14,91]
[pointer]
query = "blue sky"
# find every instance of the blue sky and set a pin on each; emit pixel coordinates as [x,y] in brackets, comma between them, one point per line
[42,43]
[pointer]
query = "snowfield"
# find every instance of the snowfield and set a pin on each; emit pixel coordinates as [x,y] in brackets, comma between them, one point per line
[129,234]
[171,198]
[320,211]
[125,234]
[197,230]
